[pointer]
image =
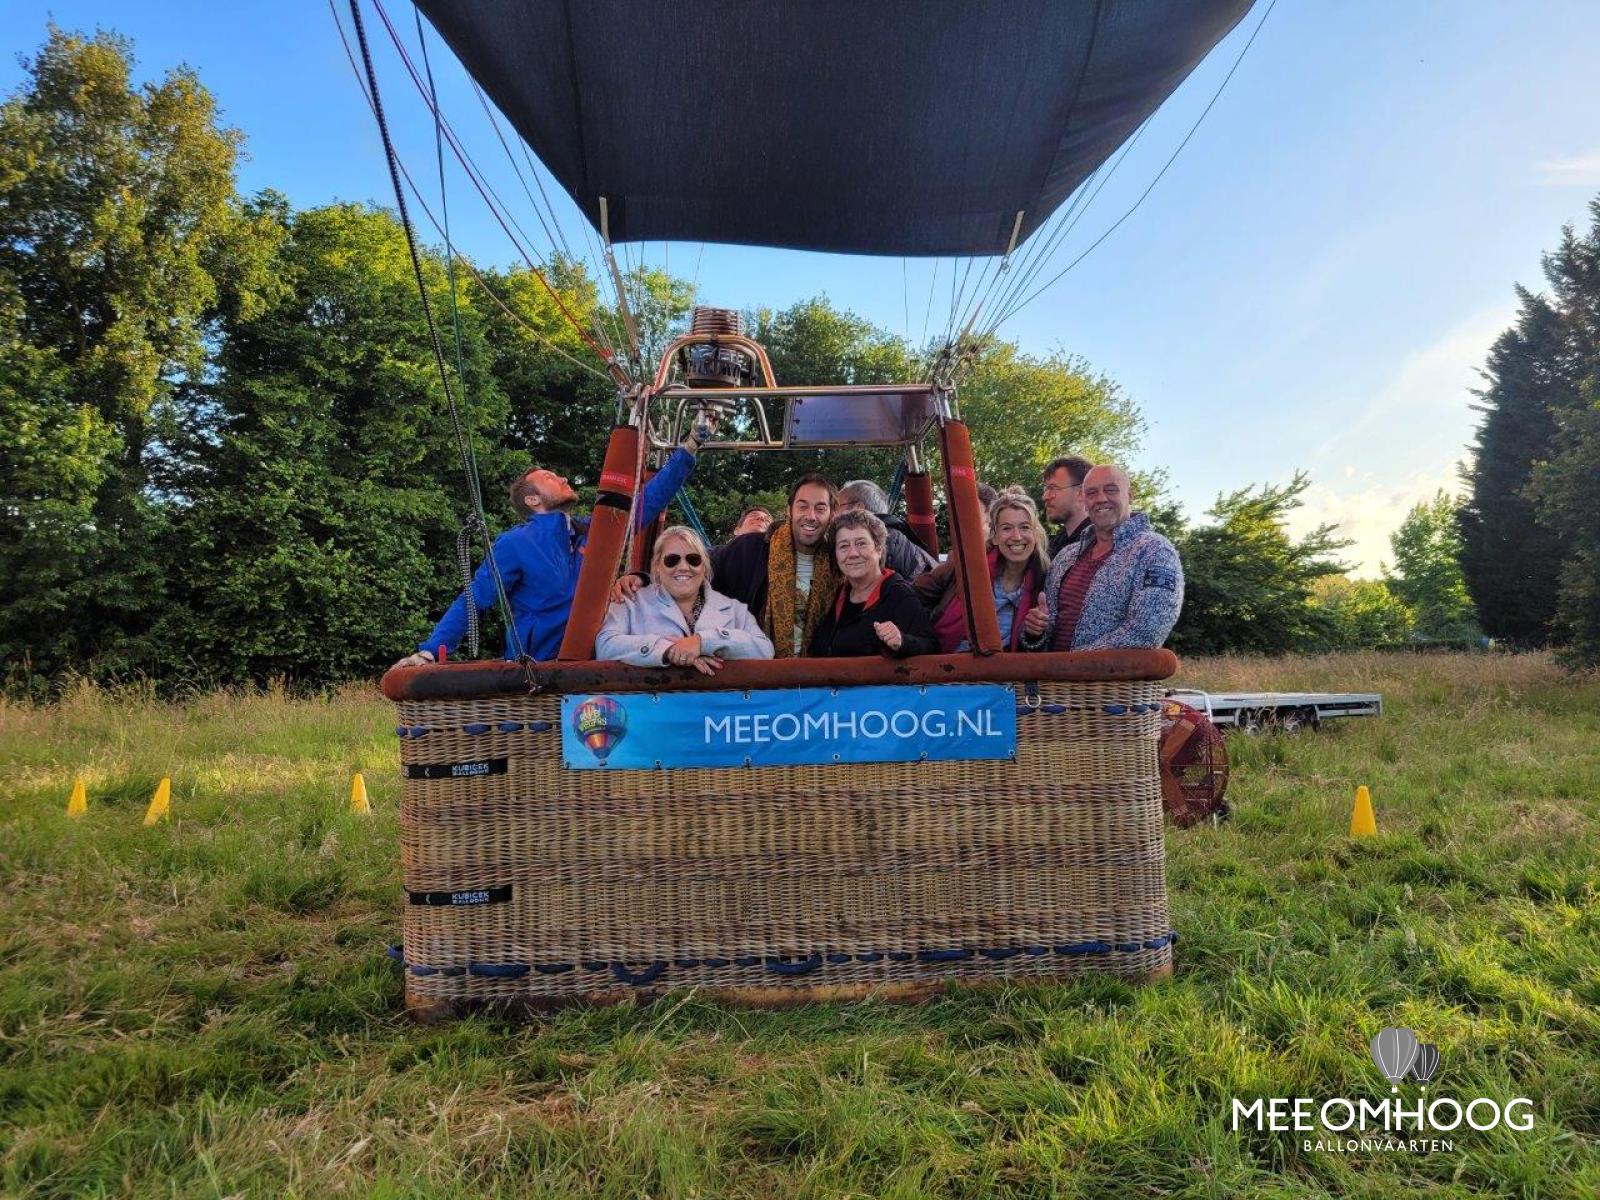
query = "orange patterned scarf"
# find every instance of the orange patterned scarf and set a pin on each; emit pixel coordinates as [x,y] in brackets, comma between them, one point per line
[778,621]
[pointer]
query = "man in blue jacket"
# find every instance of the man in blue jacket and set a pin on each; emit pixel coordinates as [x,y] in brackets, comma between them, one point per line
[539,559]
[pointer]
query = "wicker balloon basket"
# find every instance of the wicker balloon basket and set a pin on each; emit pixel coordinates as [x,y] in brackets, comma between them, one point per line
[532,884]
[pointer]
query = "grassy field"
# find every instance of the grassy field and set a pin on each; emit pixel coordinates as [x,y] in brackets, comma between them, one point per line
[205,1007]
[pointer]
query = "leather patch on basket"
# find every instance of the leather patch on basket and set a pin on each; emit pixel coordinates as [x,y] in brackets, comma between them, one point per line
[467,899]
[466,770]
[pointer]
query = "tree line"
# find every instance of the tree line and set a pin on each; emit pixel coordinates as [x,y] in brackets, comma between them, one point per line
[226,456]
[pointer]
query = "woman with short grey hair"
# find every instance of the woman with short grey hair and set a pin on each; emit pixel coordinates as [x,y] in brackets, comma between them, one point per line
[874,611]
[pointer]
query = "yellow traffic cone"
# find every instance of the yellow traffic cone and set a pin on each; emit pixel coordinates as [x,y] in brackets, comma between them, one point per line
[79,804]
[358,796]
[160,802]
[1362,821]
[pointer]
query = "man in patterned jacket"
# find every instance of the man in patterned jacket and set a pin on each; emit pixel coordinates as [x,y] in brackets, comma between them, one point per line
[1120,588]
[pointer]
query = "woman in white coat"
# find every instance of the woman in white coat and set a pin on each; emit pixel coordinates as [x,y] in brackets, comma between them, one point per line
[676,619]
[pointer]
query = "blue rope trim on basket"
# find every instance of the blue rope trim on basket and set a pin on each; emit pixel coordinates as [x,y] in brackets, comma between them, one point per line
[477,728]
[1116,710]
[784,965]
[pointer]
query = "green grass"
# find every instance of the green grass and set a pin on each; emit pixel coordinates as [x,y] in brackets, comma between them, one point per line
[205,1008]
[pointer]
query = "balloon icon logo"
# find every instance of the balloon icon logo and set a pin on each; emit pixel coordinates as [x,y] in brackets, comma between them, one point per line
[600,723]
[1427,1063]
[1394,1050]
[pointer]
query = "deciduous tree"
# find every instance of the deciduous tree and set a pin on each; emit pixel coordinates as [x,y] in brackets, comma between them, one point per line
[1426,576]
[121,240]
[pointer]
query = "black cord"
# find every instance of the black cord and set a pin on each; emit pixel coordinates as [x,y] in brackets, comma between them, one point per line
[462,435]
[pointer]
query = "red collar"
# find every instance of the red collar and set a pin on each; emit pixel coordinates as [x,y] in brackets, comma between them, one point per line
[872,598]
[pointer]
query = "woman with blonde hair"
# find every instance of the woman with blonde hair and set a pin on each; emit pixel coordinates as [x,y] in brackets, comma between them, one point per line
[677,619]
[1017,567]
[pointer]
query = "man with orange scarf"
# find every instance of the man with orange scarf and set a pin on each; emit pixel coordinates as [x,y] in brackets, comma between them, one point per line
[785,576]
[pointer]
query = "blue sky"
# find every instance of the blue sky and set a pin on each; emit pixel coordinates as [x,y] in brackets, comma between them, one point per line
[1312,285]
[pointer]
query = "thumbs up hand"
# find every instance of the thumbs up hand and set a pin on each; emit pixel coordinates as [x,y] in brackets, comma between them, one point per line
[1037,620]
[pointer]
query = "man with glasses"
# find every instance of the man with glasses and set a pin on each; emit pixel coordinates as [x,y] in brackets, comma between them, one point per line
[1063,499]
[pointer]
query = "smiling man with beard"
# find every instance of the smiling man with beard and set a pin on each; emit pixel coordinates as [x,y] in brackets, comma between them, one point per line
[785,576]
[1121,587]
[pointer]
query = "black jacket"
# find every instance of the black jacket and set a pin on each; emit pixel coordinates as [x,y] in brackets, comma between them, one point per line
[903,554]
[846,631]
[1064,537]
[739,569]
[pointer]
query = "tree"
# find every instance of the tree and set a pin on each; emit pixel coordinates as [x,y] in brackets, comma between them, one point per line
[1509,558]
[1026,410]
[1427,571]
[560,402]
[121,240]
[1247,582]
[1565,488]
[320,490]
[1564,484]
[1358,614]
[1530,513]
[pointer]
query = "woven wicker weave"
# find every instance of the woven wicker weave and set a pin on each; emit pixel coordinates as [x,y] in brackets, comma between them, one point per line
[777,883]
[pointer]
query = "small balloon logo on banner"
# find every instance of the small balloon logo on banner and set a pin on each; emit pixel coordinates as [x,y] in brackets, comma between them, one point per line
[1397,1053]
[601,723]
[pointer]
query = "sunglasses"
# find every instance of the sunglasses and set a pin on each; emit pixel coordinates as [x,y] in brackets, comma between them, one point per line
[671,560]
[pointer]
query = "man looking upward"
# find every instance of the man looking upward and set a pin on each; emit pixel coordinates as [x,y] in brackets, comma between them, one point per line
[539,559]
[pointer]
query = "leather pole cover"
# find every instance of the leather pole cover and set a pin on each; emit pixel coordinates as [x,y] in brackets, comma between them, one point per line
[608,530]
[966,536]
[919,509]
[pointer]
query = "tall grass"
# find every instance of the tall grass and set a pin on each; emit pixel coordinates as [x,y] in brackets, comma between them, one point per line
[205,1008]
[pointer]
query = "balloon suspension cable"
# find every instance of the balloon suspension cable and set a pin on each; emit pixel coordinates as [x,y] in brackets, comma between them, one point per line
[478,183]
[611,337]
[1018,304]
[635,350]
[416,194]
[463,434]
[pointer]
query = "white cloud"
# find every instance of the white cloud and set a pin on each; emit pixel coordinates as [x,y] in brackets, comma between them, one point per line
[1402,444]
[1579,170]
[1428,397]
[1368,515]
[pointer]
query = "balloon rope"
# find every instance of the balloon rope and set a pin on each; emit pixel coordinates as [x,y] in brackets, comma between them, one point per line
[483,191]
[1193,129]
[463,434]
[422,203]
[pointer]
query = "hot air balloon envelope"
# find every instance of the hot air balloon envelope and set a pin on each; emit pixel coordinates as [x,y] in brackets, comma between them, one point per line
[892,127]
[1427,1063]
[1394,1050]
[601,723]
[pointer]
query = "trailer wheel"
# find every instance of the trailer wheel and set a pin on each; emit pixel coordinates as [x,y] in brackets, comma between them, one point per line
[1293,720]
[1248,721]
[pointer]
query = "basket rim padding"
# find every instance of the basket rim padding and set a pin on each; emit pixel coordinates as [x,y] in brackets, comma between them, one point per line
[460,681]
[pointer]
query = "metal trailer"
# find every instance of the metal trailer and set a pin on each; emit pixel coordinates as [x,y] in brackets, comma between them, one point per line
[1252,712]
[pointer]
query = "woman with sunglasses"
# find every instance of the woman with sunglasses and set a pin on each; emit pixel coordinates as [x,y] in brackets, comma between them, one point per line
[676,620]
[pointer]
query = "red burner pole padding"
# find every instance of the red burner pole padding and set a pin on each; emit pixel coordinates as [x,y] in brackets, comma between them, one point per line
[966,537]
[608,529]
[919,509]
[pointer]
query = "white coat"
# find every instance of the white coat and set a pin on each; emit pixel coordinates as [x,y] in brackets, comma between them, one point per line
[638,630]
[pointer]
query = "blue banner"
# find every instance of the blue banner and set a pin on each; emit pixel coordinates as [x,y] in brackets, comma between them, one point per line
[788,727]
